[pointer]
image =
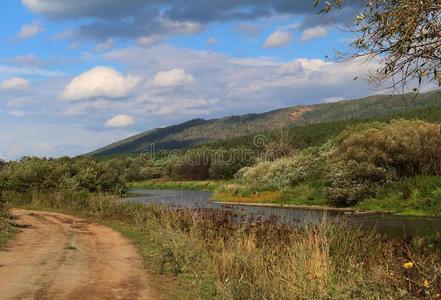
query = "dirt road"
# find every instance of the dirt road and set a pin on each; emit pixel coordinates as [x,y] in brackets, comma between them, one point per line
[56,256]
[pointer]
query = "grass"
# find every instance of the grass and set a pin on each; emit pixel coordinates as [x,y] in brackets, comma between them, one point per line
[213,257]
[7,232]
[415,196]
[208,185]
[308,193]
[420,196]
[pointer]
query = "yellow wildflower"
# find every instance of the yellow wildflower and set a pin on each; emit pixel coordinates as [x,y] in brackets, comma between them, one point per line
[408,265]
[426,283]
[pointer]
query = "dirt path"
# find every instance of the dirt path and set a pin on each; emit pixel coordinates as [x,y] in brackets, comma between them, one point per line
[64,257]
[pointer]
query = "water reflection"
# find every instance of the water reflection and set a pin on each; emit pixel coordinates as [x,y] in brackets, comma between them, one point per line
[389,224]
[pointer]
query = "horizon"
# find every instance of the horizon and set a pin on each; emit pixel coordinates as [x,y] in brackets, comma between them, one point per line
[75,77]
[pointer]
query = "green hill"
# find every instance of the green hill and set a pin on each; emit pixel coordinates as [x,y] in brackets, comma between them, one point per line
[310,124]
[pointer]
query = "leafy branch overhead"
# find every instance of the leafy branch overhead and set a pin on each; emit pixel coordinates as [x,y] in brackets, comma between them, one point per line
[404,34]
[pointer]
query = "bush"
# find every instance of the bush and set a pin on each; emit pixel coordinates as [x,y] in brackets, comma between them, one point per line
[204,163]
[286,172]
[365,158]
[349,182]
[31,174]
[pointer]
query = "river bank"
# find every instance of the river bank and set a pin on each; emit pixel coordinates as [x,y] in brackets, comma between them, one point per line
[306,196]
[219,258]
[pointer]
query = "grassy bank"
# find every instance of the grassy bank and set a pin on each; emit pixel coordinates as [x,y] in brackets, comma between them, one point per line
[213,257]
[205,185]
[418,196]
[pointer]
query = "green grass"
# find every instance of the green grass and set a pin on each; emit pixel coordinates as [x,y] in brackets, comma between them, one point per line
[209,185]
[7,232]
[423,194]
[418,196]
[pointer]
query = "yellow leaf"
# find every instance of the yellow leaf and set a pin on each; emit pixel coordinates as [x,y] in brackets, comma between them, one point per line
[408,265]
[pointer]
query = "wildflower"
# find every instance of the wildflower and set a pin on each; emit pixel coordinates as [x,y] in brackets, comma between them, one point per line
[426,283]
[408,265]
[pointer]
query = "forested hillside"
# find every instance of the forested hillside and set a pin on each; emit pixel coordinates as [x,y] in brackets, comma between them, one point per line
[310,125]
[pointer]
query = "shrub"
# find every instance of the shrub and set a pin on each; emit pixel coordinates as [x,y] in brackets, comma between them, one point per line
[204,163]
[365,158]
[348,182]
[33,174]
[286,172]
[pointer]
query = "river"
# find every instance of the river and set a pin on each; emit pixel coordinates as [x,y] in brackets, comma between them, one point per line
[386,223]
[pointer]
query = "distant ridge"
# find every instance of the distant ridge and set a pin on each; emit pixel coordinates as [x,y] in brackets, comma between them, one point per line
[200,131]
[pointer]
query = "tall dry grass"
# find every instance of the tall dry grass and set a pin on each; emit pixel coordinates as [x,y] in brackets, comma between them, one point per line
[222,257]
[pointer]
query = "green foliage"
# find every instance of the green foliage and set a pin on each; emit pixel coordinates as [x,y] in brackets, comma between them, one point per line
[206,163]
[419,195]
[367,157]
[285,172]
[31,174]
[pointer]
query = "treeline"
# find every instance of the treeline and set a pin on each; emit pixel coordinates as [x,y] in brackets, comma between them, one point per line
[32,174]
[316,134]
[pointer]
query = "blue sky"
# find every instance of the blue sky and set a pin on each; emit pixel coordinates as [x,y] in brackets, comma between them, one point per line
[77,75]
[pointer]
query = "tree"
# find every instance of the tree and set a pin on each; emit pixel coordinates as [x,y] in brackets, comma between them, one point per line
[404,34]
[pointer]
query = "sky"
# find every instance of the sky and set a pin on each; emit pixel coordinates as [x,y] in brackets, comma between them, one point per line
[78,75]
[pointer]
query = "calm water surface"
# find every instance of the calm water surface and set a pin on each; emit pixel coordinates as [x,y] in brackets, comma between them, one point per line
[392,225]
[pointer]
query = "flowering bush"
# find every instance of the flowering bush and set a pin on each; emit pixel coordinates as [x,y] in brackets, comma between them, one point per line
[366,157]
[285,172]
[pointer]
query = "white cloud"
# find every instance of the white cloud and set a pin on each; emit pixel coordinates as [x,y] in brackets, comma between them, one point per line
[212,41]
[14,83]
[174,77]
[82,108]
[147,41]
[17,113]
[313,33]
[277,39]
[30,30]
[64,35]
[18,102]
[100,47]
[44,148]
[29,60]
[6,70]
[333,99]
[120,121]
[100,82]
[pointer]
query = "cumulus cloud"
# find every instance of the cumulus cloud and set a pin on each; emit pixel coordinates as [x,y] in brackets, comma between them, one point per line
[14,83]
[120,121]
[313,33]
[30,30]
[212,41]
[100,82]
[137,18]
[241,85]
[277,39]
[171,78]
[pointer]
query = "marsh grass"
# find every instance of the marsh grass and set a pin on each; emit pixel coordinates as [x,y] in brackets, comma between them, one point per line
[214,255]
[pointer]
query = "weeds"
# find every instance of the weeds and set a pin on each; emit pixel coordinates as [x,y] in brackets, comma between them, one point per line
[220,257]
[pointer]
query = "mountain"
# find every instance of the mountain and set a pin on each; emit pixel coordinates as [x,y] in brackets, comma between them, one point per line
[201,131]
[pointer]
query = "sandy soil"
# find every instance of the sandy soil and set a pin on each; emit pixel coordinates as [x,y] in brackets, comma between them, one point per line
[56,256]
